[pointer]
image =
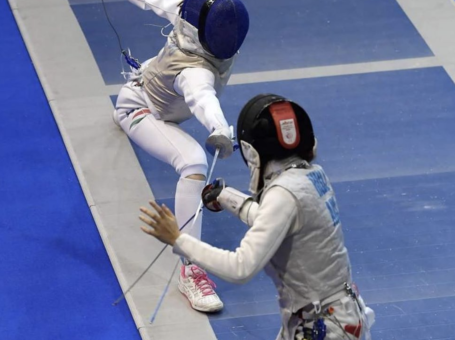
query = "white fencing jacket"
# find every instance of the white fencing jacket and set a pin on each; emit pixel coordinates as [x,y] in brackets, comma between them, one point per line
[295,235]
[180,85]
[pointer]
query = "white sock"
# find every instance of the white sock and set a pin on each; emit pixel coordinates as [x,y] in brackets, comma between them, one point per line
[187,198]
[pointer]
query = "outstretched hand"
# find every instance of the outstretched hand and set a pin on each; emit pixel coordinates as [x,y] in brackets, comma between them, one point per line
[163,223]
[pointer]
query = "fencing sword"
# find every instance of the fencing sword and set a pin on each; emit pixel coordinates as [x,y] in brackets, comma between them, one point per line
[116,302]
[209,178]
[194,218]
[199,209]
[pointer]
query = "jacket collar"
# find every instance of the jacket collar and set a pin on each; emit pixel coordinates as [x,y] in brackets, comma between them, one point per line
[275,167]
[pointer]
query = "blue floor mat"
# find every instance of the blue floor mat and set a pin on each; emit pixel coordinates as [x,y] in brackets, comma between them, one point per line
[283,34]
[56,279]
[398,228]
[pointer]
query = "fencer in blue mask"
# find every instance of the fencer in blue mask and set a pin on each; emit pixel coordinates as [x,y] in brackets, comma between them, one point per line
[184,81]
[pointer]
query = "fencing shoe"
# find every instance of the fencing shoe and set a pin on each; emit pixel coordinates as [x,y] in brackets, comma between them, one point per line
[199,289]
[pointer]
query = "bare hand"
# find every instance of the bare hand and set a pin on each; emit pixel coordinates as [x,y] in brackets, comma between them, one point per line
[163,223]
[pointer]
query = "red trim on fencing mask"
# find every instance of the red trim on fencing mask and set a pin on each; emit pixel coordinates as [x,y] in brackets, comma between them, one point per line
[286,124]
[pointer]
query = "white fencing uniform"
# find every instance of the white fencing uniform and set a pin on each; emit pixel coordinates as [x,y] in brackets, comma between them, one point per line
[296,236]
[171,88]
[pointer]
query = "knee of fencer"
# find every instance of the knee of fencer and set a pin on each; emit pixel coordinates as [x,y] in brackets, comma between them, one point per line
[115,118]
[197,177]
[119,115]
[197,172]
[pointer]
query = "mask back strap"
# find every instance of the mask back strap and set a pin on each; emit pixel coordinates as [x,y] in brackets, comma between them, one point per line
[286,124]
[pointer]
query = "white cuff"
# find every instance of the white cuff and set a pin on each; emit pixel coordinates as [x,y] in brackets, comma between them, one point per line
[232,200]
[248,212]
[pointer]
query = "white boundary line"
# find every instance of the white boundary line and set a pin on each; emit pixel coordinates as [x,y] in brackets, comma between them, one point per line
[435,21]
[320,71]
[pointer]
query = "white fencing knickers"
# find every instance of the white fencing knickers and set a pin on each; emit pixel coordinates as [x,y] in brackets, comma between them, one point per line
[167,142]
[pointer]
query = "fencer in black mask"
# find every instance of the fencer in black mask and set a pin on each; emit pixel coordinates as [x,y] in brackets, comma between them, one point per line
[295,229]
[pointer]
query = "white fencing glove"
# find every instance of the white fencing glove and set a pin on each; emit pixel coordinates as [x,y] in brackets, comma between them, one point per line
[222,139]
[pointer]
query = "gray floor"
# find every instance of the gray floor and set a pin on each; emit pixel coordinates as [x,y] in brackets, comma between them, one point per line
[105,163]
[108,170]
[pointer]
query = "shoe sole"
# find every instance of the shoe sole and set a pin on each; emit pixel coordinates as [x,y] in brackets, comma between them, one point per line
[206,310]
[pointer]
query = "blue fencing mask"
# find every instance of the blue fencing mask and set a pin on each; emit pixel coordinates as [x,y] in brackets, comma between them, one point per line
[222,24]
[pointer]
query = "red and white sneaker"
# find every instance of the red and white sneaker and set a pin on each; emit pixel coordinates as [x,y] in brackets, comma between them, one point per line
[199,289]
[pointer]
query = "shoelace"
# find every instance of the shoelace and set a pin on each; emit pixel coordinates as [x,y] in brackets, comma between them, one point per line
[202,281]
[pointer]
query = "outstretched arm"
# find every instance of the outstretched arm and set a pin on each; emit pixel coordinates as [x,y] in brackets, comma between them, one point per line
[168,9]
[197,86]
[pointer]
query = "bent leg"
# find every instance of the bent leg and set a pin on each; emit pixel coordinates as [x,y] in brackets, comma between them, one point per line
[170,144]
[346,322]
